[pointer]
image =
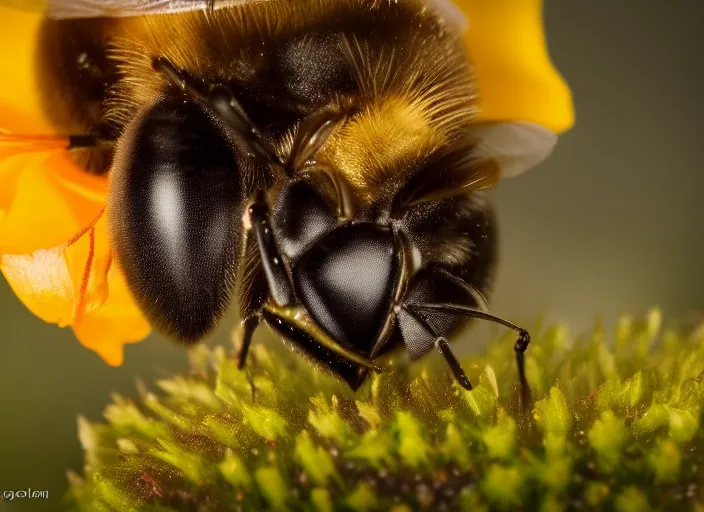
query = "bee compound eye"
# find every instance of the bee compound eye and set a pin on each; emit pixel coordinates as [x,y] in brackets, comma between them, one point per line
[175,198]
[301,216]
[346,282]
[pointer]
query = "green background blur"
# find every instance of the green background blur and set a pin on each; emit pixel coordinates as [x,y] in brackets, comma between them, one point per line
[612,223]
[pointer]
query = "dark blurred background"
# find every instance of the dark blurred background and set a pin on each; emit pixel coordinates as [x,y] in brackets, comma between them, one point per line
[611,224]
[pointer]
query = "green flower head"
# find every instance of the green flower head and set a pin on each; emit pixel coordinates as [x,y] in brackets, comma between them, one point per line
[615,424]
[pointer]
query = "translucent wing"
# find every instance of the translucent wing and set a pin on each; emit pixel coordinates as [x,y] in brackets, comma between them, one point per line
[451,14]
[500,150]
[62,9]
[514,147]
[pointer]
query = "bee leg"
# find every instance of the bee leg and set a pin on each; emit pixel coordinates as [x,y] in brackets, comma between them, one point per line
[520,347]
[526,403]
[261,272]
[253,293]
[312,134]
[82,141]
[314,348]
[280,287]
[443,346]
[220,101]
[246,332]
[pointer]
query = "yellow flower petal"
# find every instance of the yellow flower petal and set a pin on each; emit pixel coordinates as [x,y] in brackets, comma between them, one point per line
[62,283]
[516,77]
[45,201]
[20,106]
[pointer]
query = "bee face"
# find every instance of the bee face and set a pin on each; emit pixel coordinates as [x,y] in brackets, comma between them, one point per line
[317,160]
[344,275]
[356,279]
[346,282]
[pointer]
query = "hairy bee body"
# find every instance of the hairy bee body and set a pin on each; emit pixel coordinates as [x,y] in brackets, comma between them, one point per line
[284,60]
[397,74]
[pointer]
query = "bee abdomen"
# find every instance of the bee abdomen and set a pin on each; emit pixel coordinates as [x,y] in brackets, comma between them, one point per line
[75,72]
[175,198]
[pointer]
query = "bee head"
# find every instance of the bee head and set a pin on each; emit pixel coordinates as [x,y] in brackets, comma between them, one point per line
[351,264]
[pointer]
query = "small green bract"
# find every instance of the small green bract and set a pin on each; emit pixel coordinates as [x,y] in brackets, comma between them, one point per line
[615,424]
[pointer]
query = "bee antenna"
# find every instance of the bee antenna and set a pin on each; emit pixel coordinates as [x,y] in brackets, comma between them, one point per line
[172,74]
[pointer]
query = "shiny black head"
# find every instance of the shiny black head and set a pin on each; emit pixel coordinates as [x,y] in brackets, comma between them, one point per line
[344,274]
[346,282]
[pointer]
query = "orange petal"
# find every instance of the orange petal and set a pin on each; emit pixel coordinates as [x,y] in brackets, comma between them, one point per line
[516,77]
[78,284]
[116,322]
[55,284]
[45,200]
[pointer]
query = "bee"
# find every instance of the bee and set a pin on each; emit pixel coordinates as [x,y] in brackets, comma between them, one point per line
[318,159]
